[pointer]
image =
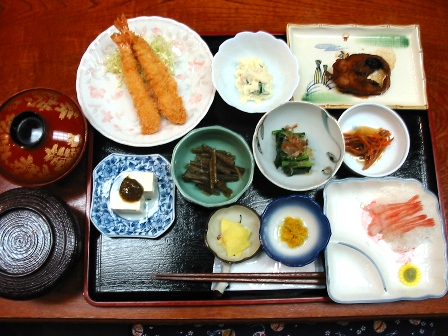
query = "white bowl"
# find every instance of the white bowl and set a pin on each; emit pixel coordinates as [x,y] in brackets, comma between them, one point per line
[275,53]
[324,138]
[376,116]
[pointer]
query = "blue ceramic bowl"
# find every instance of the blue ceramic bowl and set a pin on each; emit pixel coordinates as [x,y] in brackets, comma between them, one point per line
[297,206]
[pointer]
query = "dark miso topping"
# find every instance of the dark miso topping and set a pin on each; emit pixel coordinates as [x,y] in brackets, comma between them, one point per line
[131,190]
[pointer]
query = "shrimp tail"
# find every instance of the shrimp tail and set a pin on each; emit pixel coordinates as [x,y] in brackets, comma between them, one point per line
[121,23]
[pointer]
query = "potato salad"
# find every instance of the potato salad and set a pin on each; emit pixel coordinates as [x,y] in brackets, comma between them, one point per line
[253,80]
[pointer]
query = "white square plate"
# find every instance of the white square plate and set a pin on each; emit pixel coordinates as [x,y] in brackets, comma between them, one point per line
[318,46]
[362,268]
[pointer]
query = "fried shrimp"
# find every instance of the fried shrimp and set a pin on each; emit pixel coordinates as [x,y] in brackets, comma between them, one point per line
[145,106]
[160,81]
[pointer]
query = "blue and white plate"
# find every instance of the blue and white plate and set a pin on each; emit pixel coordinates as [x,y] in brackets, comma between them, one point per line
[159,212]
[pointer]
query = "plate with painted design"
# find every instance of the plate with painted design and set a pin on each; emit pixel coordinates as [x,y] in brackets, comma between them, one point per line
[107,103]
[319,47]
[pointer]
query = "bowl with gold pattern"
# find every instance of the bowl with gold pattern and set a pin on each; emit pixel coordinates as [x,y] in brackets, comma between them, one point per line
[43,136]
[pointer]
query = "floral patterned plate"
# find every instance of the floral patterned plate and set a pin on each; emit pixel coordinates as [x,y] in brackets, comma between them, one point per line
[317,47]
[106,102]
[159,212]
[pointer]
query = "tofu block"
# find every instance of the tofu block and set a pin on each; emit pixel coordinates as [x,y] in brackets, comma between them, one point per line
[121,207]
[148,180]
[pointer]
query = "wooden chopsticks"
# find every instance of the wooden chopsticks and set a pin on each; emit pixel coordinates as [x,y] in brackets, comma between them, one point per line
[304,278]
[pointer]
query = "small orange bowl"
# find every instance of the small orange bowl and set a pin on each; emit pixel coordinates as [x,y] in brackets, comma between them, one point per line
[43,136]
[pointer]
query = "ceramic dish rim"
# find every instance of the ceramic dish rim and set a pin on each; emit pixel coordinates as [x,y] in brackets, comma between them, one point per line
[128,141]
[229,208]
[373,28]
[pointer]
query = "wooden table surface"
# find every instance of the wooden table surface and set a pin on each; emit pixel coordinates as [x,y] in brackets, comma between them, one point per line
[42,42]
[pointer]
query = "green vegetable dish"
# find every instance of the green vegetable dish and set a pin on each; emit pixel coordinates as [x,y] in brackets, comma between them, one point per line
[211,169]
[293,155]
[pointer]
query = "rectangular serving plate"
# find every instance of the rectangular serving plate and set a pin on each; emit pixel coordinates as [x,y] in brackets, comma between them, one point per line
[317,47]
[364,269]
[118,270]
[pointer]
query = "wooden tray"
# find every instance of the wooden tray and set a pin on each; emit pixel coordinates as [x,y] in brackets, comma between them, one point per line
[117,270]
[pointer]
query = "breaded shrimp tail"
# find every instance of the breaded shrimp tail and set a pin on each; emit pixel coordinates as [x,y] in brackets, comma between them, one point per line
[121,23]
[145,107]
[160,81]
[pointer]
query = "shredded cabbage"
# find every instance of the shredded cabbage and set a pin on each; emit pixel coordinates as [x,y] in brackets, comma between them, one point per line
[113,65]
[161,46]
[164,50]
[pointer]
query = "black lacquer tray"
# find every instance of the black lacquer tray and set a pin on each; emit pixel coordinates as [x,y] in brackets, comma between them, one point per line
[118,270]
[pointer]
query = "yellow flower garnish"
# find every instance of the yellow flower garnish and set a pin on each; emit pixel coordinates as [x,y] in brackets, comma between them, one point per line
[409,274]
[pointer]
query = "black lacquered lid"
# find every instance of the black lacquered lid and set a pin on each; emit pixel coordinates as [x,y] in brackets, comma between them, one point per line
[39,242]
